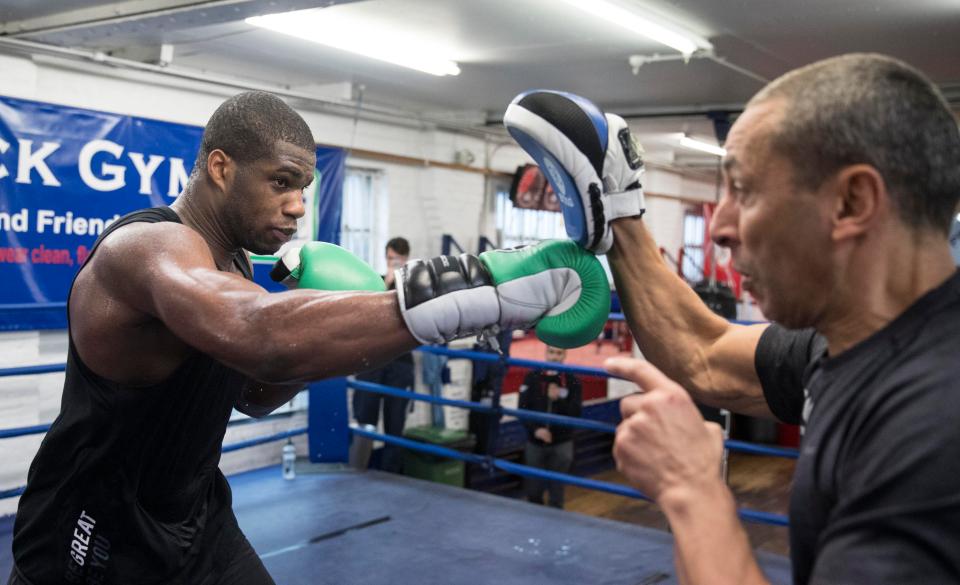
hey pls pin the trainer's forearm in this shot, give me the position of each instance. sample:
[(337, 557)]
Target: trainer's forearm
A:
[(710, 545), (672, 326)]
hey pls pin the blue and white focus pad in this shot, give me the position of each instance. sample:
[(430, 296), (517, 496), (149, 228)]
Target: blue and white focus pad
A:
[(591, 159)]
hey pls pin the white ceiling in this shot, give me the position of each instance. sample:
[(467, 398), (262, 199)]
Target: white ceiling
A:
[(508, 46)]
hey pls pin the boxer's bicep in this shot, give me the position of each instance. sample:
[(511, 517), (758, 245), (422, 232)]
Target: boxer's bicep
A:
[(166, 271), (276, 338), (282, 337), (139, 262), (215, 312), (208, 309)]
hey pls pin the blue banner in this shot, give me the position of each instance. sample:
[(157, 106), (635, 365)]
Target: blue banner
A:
[(67, 173), (331, 163)]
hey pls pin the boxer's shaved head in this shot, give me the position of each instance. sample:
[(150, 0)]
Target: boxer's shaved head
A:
[(872, 109), (248, 126)]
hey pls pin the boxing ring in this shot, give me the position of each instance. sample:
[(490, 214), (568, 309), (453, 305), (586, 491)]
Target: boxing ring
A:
[(343, 526)]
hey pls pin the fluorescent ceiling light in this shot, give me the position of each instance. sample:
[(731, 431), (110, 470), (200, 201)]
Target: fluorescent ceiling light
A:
[(685, 42), (347, 32), (702, 146)]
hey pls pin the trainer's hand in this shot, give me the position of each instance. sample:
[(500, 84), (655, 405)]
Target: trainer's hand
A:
[(663, 446)]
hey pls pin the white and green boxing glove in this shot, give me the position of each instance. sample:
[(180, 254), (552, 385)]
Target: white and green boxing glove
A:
[(555, 286), (325, 266)]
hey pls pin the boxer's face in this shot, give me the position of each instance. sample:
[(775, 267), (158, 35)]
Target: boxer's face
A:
[(266, 199), (779, 235)]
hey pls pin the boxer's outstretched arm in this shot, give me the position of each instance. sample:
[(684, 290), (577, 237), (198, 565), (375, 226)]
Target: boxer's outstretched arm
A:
[(709, 356), (166, 270)]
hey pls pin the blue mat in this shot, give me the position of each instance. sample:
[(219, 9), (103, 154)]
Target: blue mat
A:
[(375, 528)]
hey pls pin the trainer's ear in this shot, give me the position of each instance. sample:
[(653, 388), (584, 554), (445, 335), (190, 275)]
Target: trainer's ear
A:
[(861, 200)]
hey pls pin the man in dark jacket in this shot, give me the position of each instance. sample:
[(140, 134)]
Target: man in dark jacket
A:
[(549, 446)]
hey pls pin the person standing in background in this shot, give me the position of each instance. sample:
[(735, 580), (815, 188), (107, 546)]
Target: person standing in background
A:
[(398, 374), (397, 252), (549, 447), (487, 384)]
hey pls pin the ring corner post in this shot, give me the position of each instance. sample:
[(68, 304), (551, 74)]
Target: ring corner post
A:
[(328, 418)]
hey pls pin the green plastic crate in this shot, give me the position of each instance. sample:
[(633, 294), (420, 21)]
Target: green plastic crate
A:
[(433, 467)]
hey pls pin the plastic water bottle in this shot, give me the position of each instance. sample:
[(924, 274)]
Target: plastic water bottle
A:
[(289, 458)]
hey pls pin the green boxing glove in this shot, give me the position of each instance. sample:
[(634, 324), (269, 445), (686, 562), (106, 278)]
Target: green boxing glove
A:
[(325, 266), (554, 286)]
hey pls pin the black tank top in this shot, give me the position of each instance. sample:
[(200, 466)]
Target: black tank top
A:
[(126, 488)]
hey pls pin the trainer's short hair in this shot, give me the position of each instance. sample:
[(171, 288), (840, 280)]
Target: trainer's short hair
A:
[(248, 126), (872, 109), (399, 245)]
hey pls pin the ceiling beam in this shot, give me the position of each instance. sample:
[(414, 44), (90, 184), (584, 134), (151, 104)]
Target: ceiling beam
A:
[(105, 14), (327, 104), (682, 111), (130, 14)]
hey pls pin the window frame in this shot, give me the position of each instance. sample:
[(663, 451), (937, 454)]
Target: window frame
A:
[(365, 239)]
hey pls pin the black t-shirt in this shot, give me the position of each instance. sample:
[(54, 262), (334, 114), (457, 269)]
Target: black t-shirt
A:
[(876, 493), (125, 488)]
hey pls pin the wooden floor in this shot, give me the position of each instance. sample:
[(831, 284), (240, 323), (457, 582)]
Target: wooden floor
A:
[(760, 483)]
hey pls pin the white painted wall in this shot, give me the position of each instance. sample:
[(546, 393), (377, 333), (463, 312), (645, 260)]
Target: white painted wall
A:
[(423, 204)]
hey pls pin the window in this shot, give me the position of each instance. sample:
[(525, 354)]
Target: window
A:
[(519, 227), (694, 230), (525, 226), (362, 221)]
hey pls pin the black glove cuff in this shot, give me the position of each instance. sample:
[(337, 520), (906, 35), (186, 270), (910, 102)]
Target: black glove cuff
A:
[(423, 280)]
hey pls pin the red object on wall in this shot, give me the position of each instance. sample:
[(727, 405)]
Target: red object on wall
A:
[(680, 254), (531, 190)]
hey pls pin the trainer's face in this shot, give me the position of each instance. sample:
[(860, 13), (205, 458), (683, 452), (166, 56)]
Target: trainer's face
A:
[(266, 199), (778, 235)]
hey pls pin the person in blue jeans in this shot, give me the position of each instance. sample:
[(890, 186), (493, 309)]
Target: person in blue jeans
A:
[(487, 383), (398, 374), (432, 366)]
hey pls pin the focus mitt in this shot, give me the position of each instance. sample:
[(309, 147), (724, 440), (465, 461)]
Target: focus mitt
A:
[(591, 159)]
